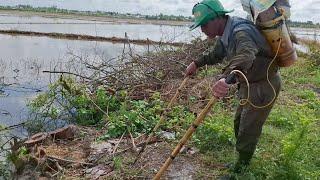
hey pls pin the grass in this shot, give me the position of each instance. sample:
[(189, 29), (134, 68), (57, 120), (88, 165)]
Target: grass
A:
[(290, 141), (289, 146)]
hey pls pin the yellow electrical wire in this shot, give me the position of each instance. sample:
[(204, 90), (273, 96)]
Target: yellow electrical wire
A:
[(247, 100)]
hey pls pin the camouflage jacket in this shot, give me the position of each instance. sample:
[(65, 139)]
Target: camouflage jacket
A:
[(242, 47)]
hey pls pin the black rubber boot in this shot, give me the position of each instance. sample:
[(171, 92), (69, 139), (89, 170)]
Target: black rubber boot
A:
[(243, 162), (226, 177)]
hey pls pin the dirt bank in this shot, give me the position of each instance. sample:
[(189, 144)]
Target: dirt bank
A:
[(88, 37)]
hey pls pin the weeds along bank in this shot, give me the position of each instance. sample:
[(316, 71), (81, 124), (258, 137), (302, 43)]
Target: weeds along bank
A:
[(128, 99)]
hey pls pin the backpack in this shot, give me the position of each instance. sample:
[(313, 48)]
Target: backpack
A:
[(270, 17)]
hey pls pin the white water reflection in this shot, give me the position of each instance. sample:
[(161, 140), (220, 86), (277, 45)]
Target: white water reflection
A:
[(23, 59), (163, 33), (307, 33)]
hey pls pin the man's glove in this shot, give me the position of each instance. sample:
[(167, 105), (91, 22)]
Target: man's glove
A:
[(191, 69), (220, 88)]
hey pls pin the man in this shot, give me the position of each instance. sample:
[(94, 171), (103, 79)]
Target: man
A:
[(244, 48)]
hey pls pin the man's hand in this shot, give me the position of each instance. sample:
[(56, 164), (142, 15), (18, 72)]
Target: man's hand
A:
[(191, 69), (220, 88)]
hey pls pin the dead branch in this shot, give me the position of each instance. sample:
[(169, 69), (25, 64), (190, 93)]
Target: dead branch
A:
[(65, 72), (122, 151), (13, 126), (53, 158), (116, 147), (132, 141)]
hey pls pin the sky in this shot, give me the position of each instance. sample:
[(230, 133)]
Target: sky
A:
[(302, 10)]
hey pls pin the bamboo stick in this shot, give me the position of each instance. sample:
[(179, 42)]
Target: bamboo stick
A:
[(229, 80), (186, 137)]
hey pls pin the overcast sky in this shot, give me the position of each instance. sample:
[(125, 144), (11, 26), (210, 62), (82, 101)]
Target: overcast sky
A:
[(302, 10)]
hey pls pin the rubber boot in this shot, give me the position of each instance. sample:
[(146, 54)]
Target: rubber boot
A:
[(243, 162)]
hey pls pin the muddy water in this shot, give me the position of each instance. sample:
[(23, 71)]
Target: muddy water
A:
[(23, 59), (134, 31)]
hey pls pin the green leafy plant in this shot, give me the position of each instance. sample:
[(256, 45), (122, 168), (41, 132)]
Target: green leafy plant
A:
[(134, 117), (291, 145), (69, 102), (117, 163), (217, 130), (4, 171)]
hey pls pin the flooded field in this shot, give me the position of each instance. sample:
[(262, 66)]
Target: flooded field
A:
[(162, 33), (23, 58), (307, 33)]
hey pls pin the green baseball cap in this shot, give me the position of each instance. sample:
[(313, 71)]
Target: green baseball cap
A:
[(205, 11)]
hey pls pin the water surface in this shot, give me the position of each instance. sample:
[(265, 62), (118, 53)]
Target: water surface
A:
[(134, 31), (23, 59)]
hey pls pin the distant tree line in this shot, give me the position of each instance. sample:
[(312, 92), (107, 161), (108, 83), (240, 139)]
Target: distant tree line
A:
[(308, 24), (54, 9)]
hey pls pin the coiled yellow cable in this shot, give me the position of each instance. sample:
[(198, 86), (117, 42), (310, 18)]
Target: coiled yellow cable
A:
[(247, 100)]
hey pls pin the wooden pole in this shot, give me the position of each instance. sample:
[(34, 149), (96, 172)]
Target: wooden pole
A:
[(229, 80), (186, 137)]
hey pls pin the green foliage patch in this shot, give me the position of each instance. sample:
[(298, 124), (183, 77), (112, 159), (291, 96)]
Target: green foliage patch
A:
[(288, 147)]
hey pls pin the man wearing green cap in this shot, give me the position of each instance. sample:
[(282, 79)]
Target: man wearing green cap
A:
[(243, 48)]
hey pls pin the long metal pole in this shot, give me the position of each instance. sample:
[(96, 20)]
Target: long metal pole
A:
[(172, 101)]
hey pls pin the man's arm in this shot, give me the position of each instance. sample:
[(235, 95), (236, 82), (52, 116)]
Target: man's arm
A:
[(213, 55), (246, 50)]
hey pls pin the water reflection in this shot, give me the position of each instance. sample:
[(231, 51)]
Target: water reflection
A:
[(307, 33), (107, 29), (24, 58)]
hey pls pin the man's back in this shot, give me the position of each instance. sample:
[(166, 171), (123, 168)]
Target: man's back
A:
[(247, 49)]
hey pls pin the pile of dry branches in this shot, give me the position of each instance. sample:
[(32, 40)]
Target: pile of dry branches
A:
[(138, 73)]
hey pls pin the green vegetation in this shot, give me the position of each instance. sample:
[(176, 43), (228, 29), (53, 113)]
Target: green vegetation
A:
[(71, 102), (289, 145), (4, 172), (288, 148)]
